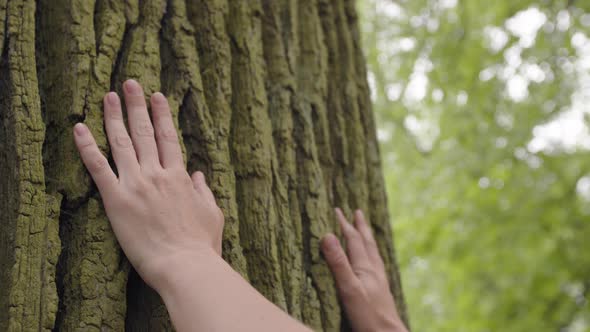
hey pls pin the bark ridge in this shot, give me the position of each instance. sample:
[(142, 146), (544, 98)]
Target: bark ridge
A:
[(272, 104)]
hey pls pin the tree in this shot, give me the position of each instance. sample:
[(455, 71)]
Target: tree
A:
[(272, 103)]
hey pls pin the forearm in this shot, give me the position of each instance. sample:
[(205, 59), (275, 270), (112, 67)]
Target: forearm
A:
[(207, 293)]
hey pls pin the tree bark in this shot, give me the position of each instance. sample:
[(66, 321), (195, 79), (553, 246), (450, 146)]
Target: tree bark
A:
[(272, 104)]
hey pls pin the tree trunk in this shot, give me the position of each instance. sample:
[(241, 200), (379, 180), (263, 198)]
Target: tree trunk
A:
[(272, 103)]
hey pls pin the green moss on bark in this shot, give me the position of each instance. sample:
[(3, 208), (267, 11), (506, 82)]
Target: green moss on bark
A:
[(280, 84), (213, 45), (251, 144), (272, 103), (28, 239), (94, 272)]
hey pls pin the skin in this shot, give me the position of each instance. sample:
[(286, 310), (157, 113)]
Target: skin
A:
[(170, 228), (361, 278)]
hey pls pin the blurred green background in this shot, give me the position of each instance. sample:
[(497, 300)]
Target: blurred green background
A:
[(483, 113)]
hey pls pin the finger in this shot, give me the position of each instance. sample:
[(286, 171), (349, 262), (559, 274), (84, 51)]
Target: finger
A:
[(166, 136), (121, 145), (200, 185), (97, 165), (348, 284), (142, 131), (354, 245), (370, 244)]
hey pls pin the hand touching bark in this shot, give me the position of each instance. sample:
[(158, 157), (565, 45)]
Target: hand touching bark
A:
[(170, 228), (158, 212), (168, 223), (361, 278)]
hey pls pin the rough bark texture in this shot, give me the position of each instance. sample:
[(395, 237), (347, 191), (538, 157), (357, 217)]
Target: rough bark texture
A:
[(272, 103)]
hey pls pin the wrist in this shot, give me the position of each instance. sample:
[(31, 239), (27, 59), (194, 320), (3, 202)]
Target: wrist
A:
[(395, 325), (173, 270), (389, 323)]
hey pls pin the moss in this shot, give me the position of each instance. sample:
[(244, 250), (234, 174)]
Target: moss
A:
[(213, 155), (30, 245), (52, 248), (65, 40), (95, 273), (280, 42), (273, 105), (252, 152)]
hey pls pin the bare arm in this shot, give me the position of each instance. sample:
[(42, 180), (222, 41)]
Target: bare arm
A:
[(207, 293), (168, 223)]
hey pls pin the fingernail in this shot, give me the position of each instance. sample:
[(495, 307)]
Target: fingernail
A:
[(80, 129), (158, 98), (132, 87), (113, 99)]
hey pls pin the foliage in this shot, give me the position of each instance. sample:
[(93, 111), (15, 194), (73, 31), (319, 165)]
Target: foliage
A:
[(482, 107)]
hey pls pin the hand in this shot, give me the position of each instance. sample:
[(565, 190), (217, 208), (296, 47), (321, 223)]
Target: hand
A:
[(158, 212), (361, 278)]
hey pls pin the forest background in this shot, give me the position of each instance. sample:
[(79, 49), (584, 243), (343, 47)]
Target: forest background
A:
[(482, 110)]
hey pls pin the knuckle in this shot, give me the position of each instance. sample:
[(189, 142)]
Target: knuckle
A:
[(86, 147), (98, 164), (123, 141), (144, 129), (364, 271), (168, 134), (180, 176), (350, 288), (355, 234), (138, 186), (338, 259), (158, 177), (114, 114), (161, 112)]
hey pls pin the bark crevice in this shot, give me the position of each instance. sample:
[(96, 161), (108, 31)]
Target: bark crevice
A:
[(272, 104)]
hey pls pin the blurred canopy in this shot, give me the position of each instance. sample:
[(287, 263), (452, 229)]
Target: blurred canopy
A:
[(483, 113)]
